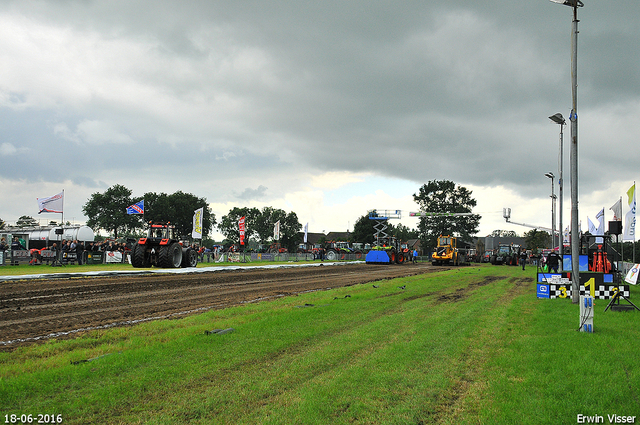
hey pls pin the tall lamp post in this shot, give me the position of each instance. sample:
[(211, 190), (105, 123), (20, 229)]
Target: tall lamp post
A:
[(553, 211), (559, 119), (573, 117)]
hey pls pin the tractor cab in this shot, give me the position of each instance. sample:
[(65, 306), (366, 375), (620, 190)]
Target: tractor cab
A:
[(160, 231)]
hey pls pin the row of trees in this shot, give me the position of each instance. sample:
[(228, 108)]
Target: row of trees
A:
[(259, 225), (107, 211)]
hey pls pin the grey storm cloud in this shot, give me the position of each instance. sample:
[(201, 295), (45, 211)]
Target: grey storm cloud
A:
[(212, 96), (252, 194)]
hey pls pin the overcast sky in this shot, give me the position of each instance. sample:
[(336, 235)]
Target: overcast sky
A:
[(328, 109)]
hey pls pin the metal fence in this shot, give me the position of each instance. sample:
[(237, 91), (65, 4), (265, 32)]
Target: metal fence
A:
[(47, 257)]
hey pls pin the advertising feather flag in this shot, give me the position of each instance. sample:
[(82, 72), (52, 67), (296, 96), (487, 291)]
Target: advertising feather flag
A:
[(630, 219), (276, 231), (196, 233), (241, 228)]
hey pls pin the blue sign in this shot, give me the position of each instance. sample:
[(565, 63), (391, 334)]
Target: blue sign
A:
[(543, 290)]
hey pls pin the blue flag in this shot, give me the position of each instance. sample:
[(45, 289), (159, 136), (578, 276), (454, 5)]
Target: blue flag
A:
[(136, 208)]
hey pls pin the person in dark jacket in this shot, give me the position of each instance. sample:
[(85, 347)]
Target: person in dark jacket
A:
[(553, 261), (79, 251), (523, 258)]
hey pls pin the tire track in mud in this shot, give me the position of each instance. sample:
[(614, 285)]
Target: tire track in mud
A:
[(33, 310)]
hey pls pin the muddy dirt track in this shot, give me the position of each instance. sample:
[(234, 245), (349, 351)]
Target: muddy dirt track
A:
[(35, 310)]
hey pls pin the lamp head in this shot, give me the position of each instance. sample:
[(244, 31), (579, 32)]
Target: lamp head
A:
[(550, 175), (572, 3), (558, 119)]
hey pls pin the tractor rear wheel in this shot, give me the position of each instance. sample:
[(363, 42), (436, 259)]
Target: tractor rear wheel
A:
[(331, 255), (393, 256), (138, 256), (189, 258), (170, 256)]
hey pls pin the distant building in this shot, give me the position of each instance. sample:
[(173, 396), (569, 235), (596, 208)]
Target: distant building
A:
[(338, 236), (491, 242)]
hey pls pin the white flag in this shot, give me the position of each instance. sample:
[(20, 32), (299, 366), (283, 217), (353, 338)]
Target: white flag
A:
[(592, 227), (52, 204), (196, 233), (617, 210), (306, 230), (632, 276), (630, 219)]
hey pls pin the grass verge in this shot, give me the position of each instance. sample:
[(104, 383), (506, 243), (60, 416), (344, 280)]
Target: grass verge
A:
[(469, 345)]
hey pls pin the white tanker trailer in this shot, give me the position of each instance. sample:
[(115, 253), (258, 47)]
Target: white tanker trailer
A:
[(40, 237)]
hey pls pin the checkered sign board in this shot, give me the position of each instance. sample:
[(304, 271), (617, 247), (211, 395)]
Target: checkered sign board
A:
[(596, 285), (601, 292)]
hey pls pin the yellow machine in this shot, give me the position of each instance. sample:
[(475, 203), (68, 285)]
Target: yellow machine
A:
[(446, 252)]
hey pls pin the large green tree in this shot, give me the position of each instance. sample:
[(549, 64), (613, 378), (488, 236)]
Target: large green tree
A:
[(26, 221), (363, 230), (289, 228), (537, 239), (108, 211), (229, 224), (178, 208), (445, 198), (404, 233)]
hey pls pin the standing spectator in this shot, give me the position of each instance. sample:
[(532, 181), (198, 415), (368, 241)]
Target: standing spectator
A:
[(16, 245), (553, 260), (79, 252), (415, 256), (3, 245), (523, 258)]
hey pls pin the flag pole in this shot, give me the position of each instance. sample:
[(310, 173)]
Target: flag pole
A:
[(621, 246)]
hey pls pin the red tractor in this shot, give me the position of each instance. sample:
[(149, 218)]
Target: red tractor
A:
[(161, 249)]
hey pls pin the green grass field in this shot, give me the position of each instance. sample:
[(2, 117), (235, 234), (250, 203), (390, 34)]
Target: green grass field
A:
[(471, 345)]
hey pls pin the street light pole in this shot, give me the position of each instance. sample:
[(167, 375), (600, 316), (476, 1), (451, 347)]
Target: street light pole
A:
[(553, 211), (575, 242), (559, 119)]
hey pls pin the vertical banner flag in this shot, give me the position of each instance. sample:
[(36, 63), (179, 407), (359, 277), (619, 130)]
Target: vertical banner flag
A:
[(276, 231), (617, 210), (241, 227), (52, 204), (600, 217), (196, 233), (137, 208), (630, 219), (566, 239), (306, 230)]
